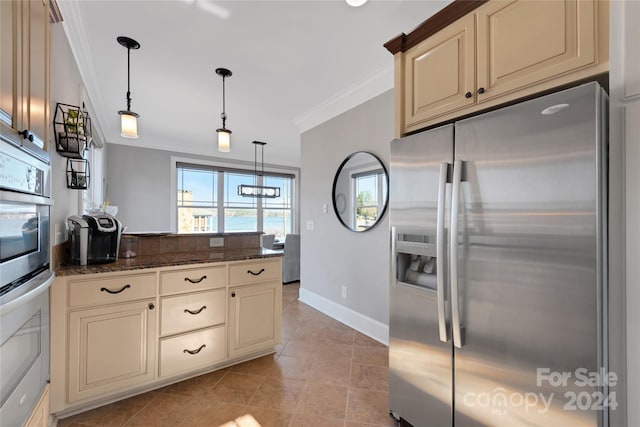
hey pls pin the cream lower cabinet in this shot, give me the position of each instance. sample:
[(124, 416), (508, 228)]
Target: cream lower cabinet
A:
[(111, 348), (40, 415), (192, 319), (122, 333), (255, 306), (254, 317)]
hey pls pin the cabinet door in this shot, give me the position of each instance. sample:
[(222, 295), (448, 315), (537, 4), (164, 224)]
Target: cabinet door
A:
[(440, 73), (110, 348), (525, 42), (35, 48), (254, 318), (9, 60)]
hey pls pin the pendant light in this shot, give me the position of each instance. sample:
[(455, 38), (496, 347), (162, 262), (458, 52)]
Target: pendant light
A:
[(258, 190), (224, 134), (128, 119)]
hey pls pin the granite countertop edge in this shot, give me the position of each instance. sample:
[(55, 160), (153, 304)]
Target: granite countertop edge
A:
[(167, 260)]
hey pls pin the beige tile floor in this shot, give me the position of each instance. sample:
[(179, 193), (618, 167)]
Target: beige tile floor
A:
[(324, 374)]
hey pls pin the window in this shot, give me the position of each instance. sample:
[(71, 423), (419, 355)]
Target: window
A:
[(369, 189), (197, 200), (208, 201)]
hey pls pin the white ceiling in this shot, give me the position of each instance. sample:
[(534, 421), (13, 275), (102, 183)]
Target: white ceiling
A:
[(294, 63)]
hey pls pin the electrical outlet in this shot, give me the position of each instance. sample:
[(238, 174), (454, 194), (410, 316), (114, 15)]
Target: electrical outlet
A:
[(344, 292), (216, 242), (310, 225)]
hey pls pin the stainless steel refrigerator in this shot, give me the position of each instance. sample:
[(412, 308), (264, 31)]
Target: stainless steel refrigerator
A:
[(498, 291)]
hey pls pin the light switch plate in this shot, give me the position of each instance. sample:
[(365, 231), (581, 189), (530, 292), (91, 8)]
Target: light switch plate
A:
[(310, 225)]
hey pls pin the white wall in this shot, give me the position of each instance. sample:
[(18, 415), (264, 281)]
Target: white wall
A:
[(624, 235), (331, 255), (67, 88), (139, 182)]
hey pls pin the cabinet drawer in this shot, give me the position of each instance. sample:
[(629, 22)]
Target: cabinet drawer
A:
[(192, 311), (255, 272), (193, 279), (112, 289), (192, 351)]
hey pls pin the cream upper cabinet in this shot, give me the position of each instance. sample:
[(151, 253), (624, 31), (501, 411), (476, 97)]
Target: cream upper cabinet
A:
[(24, 97), (111, 348), (254, 317), (440, 72), (473, 56), (524, 42)]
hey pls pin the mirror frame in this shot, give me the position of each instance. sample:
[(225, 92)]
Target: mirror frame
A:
[(334, 196)]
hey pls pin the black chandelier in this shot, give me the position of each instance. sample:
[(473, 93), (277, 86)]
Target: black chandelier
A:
[(260, 191)]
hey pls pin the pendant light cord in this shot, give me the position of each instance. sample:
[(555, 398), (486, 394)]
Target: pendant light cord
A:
[(128, 79), (224, 114)]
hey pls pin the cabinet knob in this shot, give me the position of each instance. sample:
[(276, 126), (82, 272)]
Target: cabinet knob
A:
[(481, 90), (468, 95), (151, 306), (233, 294)]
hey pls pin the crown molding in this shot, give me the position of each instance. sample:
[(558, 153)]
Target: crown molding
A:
[(74, 28), (357, 94)]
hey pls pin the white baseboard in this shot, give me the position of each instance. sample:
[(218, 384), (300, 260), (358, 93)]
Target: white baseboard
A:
[(361, 323)]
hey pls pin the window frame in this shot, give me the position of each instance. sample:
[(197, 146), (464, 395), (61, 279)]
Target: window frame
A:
[(237, 167)]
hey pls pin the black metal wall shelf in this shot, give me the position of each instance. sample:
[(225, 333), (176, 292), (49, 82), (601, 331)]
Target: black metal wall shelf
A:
[(72, 129)]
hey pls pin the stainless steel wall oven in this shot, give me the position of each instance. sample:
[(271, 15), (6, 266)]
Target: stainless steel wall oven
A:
[(25, 278)]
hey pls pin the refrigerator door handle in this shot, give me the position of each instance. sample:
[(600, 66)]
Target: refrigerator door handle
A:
[(453, 255), (440, 240), (394, 254)]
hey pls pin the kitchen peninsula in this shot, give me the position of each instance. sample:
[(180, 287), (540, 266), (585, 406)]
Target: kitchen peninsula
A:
[(182, 306)]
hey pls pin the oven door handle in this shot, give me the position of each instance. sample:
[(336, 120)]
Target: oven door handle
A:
[(33, 293)]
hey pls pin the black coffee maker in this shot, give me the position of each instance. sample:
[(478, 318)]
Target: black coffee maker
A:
[(94, 239)]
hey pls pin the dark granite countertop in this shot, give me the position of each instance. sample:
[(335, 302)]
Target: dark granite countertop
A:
[(167, 259)]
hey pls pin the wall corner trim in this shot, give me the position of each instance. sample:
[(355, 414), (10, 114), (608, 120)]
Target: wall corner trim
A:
[(361, 323)]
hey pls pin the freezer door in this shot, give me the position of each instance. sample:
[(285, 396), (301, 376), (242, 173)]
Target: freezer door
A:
[(530, 264), (420, 353)]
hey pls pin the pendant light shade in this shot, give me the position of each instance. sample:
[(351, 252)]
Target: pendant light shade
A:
[(128, 124), (224, 134), (224, 140), (128, 119)]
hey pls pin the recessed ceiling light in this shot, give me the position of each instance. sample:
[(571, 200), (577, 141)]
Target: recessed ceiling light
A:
[(356, 3)]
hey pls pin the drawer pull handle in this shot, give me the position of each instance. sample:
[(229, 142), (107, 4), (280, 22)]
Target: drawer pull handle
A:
[(194, 351), (115, 292), (256, 274), (186, 279), (195, 312)]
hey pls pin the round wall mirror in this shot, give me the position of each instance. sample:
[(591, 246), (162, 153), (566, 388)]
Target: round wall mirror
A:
[(360, 191)]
